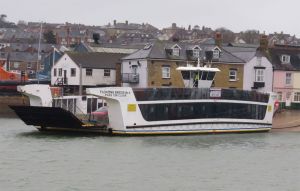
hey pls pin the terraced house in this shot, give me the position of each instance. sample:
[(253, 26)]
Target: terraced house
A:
[(286, 62), (155, 65)]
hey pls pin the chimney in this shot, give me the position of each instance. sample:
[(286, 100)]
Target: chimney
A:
[(115, 22), (173, 25), (263, 42), (218, 39), (189, 27), (126, 22), (96, 37)]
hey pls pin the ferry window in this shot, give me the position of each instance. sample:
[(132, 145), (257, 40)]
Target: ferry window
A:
[(166, 72), (211, 75), (180, 111), (232, 75), (54, 72), (185, 75), (89, 72), (107, 73), (73, 72), (59, 71), (259, 75), (288, 78)]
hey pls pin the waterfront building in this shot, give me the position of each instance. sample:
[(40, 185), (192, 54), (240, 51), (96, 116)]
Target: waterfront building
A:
[(87, 69), (286, 62), (155, 65)]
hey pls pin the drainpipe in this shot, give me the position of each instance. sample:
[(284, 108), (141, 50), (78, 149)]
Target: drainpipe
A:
[(80, 79)]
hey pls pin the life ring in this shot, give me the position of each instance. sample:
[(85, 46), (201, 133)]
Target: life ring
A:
[(11, 76)]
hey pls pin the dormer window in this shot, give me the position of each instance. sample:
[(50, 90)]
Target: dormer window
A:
[(285, 59), (196, 52), (176, 50), (216, 53)]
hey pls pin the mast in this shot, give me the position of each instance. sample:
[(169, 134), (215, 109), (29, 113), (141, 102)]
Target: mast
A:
[(38, 56)]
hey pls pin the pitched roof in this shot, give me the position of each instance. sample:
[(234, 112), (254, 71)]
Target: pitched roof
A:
[(96, 60), (157, 50), (277, 52), (244, 53)]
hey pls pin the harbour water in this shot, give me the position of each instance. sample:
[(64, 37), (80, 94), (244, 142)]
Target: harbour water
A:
[(34, 161)]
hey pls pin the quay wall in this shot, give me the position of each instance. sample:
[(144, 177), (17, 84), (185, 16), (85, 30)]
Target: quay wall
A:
[(6, 100)]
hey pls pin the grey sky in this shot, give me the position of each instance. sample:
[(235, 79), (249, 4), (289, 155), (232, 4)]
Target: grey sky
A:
[(237, 15)]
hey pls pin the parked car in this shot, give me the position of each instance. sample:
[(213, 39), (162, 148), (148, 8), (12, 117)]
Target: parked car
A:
[(100, 115)]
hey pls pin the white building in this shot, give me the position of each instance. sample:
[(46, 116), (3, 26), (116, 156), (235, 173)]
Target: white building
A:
[(95, 69), (258, 70)]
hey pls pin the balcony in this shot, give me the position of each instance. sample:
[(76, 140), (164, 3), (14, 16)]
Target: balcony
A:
[(257, 85), (130, 78)]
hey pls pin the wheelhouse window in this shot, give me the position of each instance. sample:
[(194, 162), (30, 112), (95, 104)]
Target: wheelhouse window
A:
[(107, 73), (88, 72), (54, 72), (285, 59), (232, 75), (73, 72), (259, 75), (59, 71), (288, 78), (166, 72), (297, 96)]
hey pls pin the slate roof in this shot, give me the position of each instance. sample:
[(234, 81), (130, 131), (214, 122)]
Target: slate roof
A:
[(275, 57), (157, 50), (246, 54), (96, 60), (19, 56)]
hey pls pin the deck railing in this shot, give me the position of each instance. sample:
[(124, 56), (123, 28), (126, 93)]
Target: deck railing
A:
[(130, 78)]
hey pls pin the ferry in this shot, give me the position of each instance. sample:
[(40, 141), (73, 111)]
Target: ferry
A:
[(197, 108)]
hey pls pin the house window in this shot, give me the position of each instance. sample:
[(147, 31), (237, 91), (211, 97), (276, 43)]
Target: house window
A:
[(216, 54), (232, 75), (288, 78), (285, 59), (59, 71), (196, 52), (259, 75), (297, 96), (16, 65), (279, 96), (29, 65), (73, 72), (176, 51), (89, 72), (54, 72), (166, 72), (107, 73), (134, 69)]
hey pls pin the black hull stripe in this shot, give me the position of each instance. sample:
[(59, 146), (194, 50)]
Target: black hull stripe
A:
[(178, 124)]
